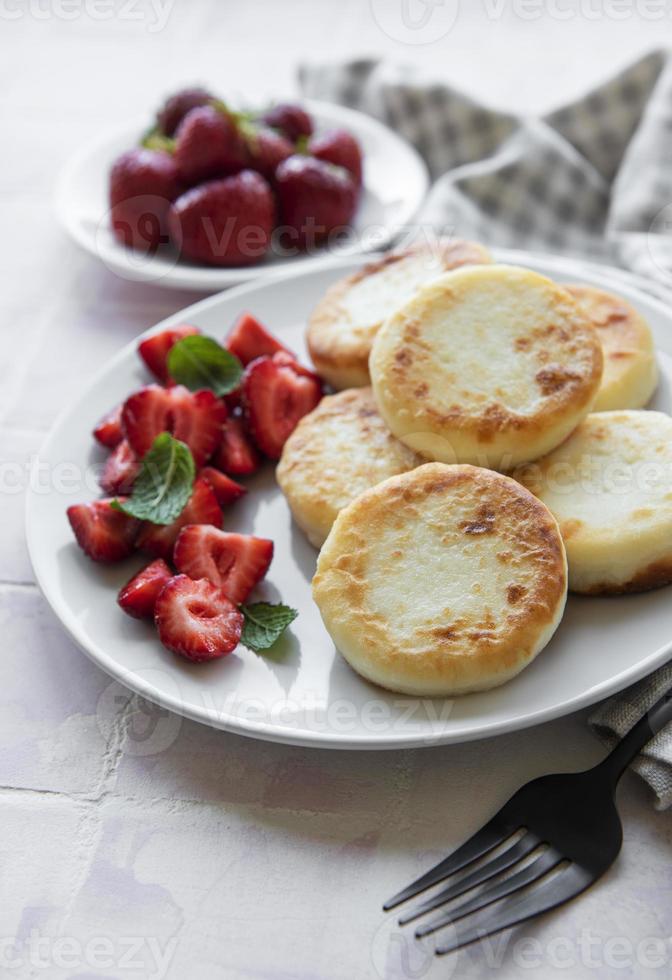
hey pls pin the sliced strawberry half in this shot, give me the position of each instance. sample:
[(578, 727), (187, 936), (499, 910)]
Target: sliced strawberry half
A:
[(233, 562), (276, 395), (236, 453), (195, 417), (120, 470), (198, 417), (226, 489), (248, 339), (108, 432), (196, 620), (154, 350), (138, 597), (104, 534), (201, 508)]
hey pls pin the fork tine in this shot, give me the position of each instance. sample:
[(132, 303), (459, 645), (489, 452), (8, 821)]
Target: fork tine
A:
[(545, 896), (494, 832), (543, 864), (511, 856)]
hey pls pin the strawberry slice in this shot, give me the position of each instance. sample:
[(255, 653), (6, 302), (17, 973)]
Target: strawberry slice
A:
[(104, 534), (233, 562), (195, 417), (226, 489), (120, 470), (196, 619), (236, 454), (201, 508), (154, 350), (138, 597), (277, 393), (108, 432), (198, 417), (248, 339), (288, 360)]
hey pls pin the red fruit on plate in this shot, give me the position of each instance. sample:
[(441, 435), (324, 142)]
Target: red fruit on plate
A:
[(266, 150), (283, 357), (154, 350), (232, 562), (104, 534), (108, 432), (138, 597), (248, 339), (201, 508), (196, 619), (290, 120), (208, 144), (315, 199), (120, 470), (236, 454), (226, 489), (339, 147), (277, 394), (143, 183), (176, 107), (194, 417), (225, 222)]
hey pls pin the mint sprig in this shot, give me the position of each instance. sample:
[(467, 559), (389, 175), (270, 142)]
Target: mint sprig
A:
[(199, 362), (164, 484), (265, 622)]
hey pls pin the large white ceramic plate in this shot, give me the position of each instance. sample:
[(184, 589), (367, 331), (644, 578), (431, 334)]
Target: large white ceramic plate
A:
[(304, 692), (395, 183)]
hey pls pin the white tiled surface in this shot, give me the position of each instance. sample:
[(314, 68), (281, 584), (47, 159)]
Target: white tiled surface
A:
[(140, 845)]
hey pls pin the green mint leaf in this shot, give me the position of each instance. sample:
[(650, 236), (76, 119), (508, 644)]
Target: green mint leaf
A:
[(164, 483), (264, 624), (200, 362)]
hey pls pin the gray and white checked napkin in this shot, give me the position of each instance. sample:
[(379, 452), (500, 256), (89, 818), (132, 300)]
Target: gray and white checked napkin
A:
[(592, 179)]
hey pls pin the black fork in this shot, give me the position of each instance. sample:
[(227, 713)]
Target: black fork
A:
[(553, 839)]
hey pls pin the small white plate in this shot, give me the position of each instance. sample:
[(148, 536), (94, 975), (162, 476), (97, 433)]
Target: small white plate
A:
[(305, 693), (395, 184)]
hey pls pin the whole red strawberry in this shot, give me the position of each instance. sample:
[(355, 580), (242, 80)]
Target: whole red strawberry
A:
[(266, 150), (143, 183), (176, 106), (315, 199), (224, 222), (208, 144), (290, 120), (339, 147)]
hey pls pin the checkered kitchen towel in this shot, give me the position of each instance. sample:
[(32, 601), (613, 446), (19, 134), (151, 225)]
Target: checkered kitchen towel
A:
[(591, 179)]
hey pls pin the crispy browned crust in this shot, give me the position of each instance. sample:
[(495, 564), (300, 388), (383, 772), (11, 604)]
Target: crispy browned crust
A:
[(340, 449), (655, 576), (449, 653), (411, 384), (329, 353)]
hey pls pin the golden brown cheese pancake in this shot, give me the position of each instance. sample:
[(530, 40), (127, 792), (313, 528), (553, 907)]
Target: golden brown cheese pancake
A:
[(630, 370), (341, 449), (443, 580), (492, 365), (344, 323), (610, 488)]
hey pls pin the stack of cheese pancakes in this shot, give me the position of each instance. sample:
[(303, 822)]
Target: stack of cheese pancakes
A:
[(462, 477)]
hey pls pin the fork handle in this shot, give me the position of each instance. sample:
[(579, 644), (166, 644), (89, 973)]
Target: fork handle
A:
[(642, 732)]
